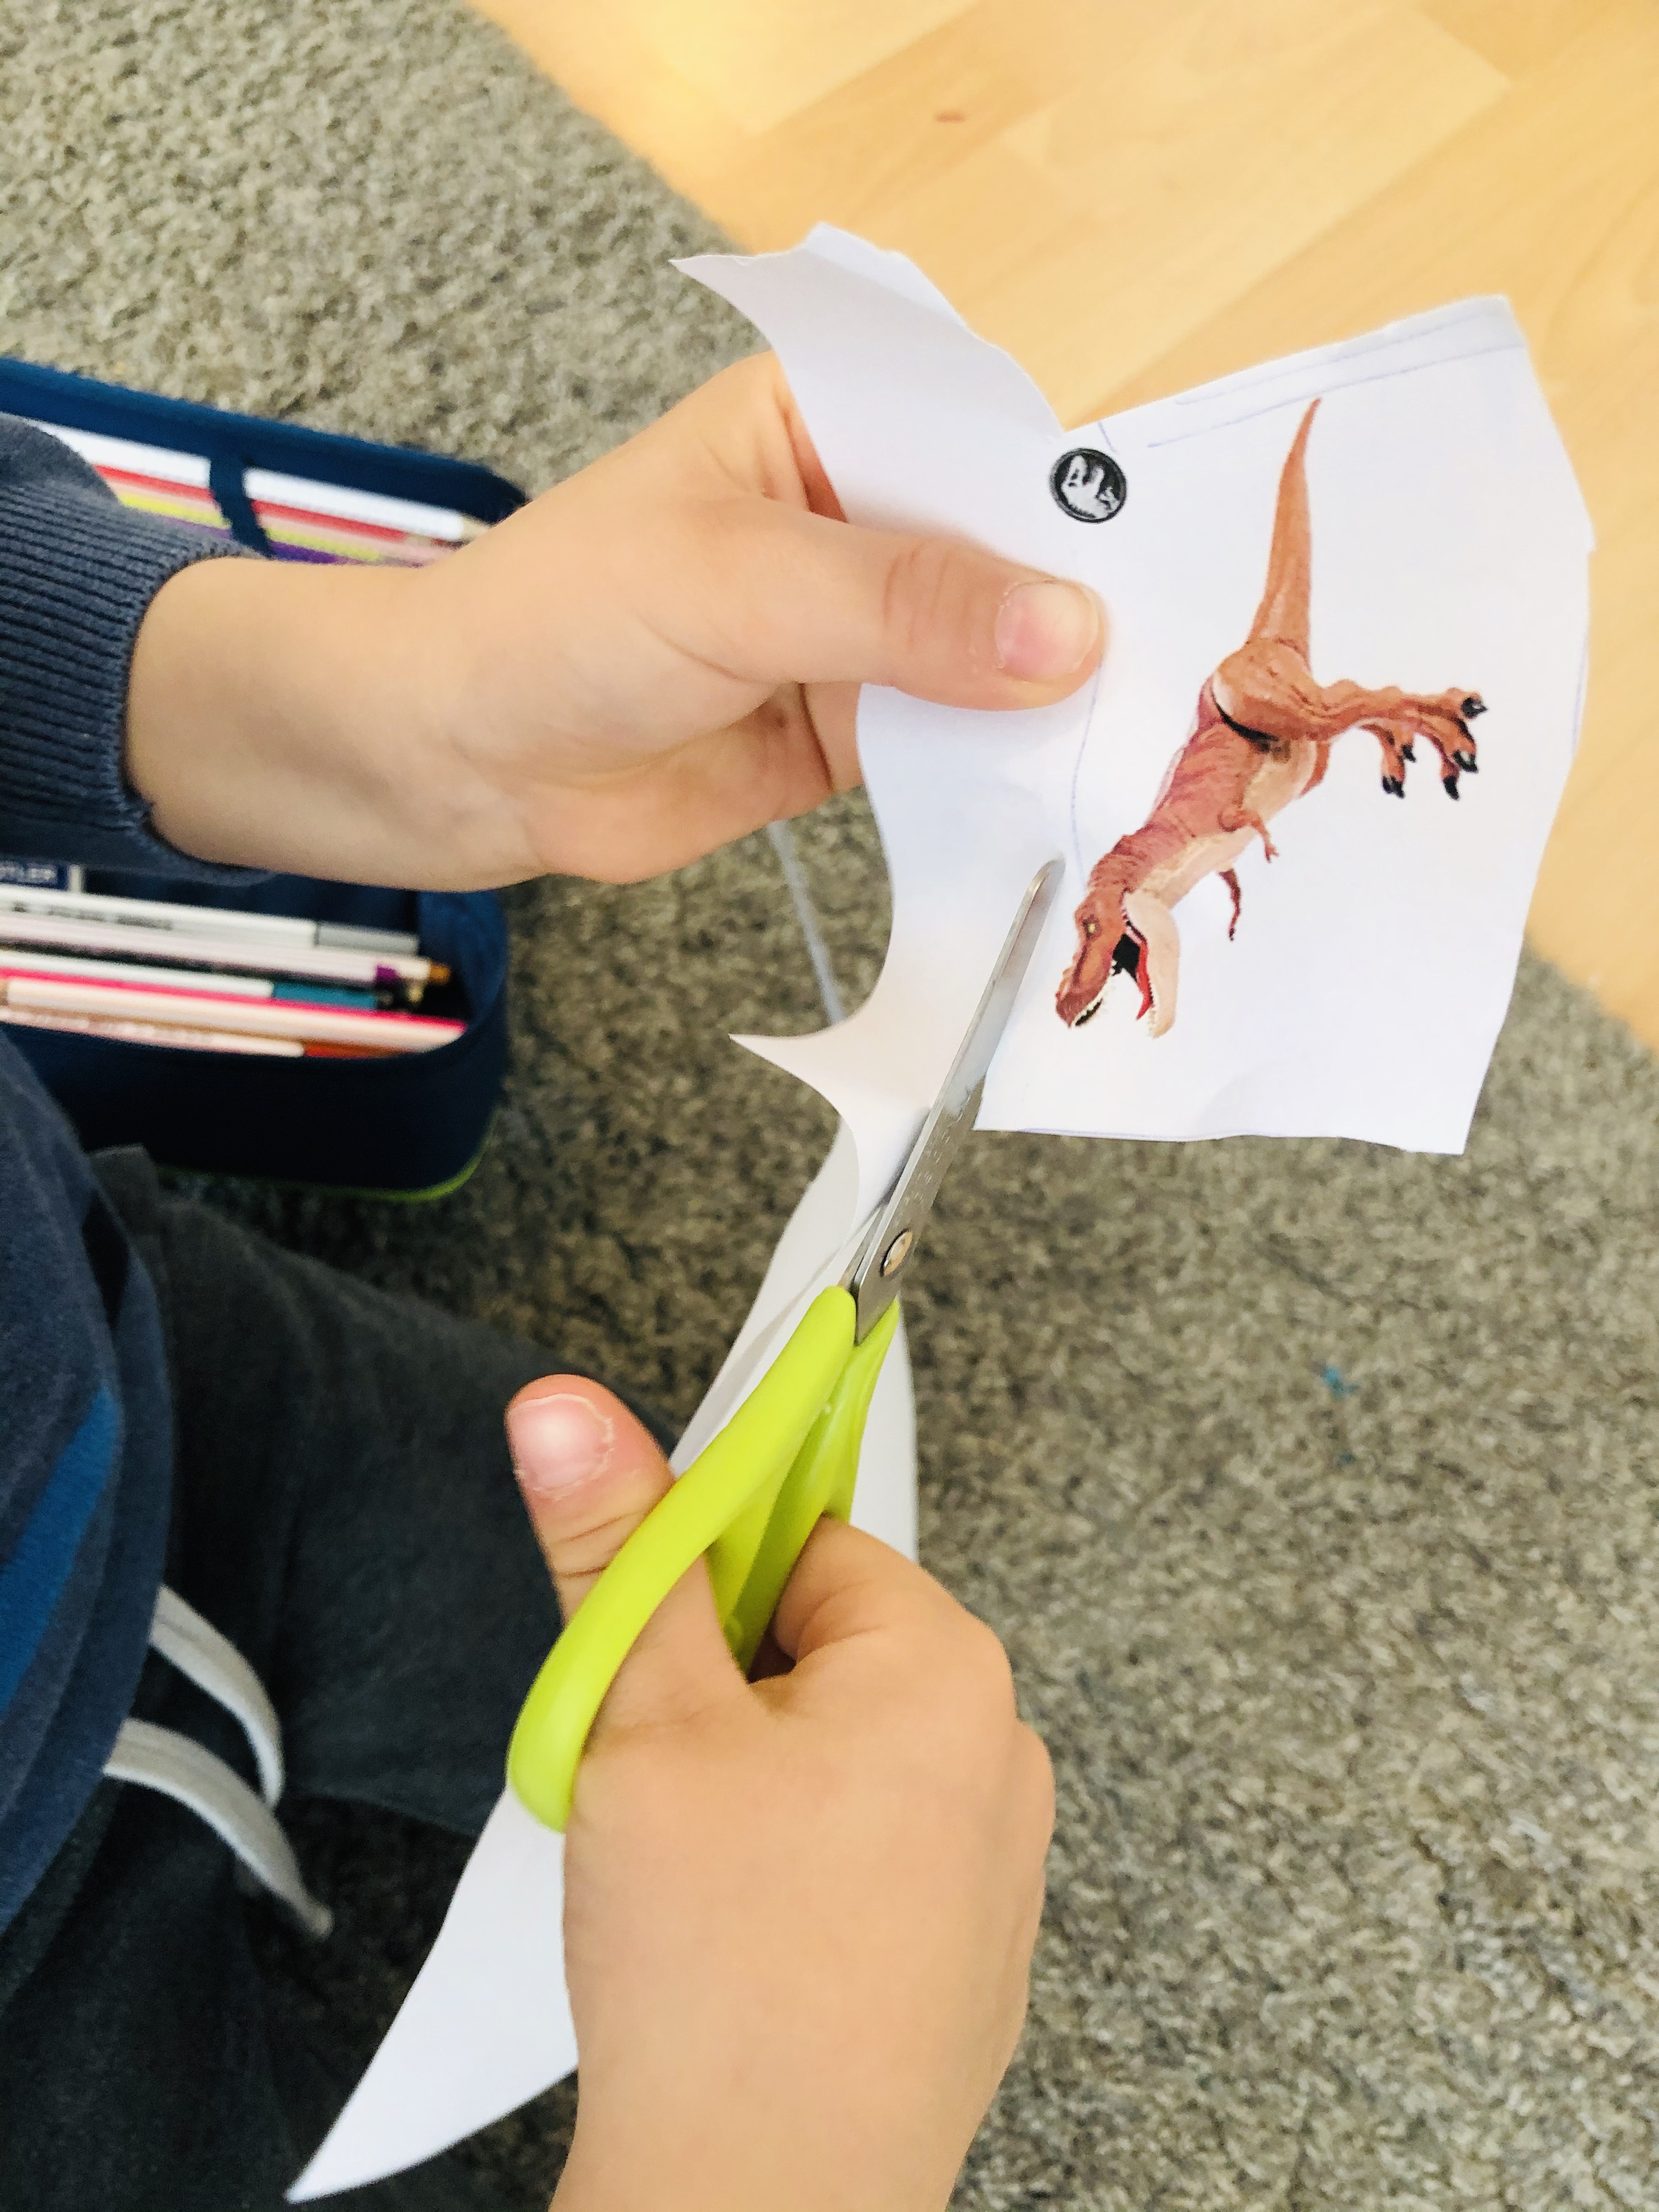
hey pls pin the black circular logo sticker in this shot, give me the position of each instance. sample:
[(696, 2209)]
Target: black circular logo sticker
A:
[(1089, 484)]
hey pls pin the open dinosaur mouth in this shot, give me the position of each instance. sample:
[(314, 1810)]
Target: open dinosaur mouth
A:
[(1126, 961)]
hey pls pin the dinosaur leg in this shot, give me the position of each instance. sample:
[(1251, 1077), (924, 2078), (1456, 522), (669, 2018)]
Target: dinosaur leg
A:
[(1395, 740), (1246, 817), (1160, 956), (1397, 719), (1232, 882)]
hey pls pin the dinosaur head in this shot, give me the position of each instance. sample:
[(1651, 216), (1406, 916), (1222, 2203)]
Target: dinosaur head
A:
[(1102, 949)]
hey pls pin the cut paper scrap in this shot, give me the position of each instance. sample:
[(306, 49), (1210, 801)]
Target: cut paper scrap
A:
[(1360, 996), (1373, 959), (487, 2024)]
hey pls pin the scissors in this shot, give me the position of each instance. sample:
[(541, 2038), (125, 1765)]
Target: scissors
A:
[(789, 1453)]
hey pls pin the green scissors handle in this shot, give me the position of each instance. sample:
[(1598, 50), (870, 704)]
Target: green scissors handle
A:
[(788, 1454), (749, 1500)]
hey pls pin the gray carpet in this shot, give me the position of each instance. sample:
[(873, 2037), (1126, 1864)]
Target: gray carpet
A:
[(1313, 1488)]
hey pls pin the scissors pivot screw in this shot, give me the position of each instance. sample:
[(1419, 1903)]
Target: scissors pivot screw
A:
[(897, 1252)]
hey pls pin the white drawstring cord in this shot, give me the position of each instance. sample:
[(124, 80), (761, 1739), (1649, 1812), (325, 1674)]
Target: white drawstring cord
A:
[(182, 1769), (214, 1664)]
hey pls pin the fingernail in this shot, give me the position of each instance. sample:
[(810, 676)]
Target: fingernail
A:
[(558, 1443), (1045, 631)]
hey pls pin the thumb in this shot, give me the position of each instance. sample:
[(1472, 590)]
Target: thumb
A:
[(589, 1472), (801, 597)]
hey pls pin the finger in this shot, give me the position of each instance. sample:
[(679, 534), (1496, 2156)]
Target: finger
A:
[(785, 596), (848, 1583), (711, 789), (749, 436), (589, 1473)]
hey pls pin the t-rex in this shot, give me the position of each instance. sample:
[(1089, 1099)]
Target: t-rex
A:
[(1261, 738)]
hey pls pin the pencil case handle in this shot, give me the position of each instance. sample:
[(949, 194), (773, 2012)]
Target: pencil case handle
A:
[(226, 481)]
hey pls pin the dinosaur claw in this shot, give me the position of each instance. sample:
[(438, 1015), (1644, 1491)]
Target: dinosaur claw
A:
[(1408, 752), (1395, 785), (1466, 761), (1449, 785), (1473, 705)]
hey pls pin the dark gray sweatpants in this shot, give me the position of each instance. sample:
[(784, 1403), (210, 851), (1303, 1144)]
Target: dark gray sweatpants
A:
[(344, 1512)]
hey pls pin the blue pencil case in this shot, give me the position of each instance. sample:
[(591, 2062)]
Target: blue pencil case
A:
[(405, 1126)]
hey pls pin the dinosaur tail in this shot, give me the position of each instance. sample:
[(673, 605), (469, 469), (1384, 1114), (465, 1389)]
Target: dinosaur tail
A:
[(1282, 613)]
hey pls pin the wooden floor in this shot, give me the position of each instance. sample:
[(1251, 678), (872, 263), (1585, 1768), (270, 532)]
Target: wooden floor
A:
[(1134, 195)]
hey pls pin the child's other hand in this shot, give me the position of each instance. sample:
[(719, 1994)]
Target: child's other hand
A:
[(800, 1914), (657, 656), (663, 653)]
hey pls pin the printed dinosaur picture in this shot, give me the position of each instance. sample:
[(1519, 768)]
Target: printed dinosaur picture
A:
[(1262, 736)]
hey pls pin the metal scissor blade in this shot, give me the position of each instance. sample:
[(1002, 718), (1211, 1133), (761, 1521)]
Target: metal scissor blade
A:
[(875, 1276)]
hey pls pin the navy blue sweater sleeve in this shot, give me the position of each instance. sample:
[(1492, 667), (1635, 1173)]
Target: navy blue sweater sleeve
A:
[(77, 572)]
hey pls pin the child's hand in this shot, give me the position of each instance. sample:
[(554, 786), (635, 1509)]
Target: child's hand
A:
[(799, 1913), (655, 657)]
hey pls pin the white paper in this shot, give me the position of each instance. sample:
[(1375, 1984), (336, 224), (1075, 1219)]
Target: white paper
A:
[(1373, 959), (487, 2025)]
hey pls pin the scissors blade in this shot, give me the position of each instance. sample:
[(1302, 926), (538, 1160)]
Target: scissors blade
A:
[(875, 1277)]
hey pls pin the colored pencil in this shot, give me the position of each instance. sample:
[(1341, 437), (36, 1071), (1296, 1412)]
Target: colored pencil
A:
[(16, 961), (323, 964), (385, 1032), (204, 920), (303, 519), (31, 962), (167, 1033)]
